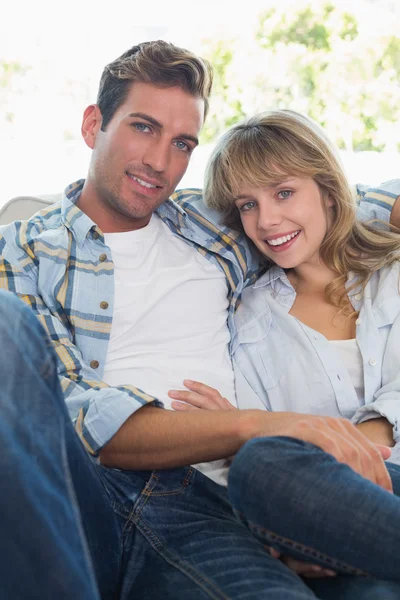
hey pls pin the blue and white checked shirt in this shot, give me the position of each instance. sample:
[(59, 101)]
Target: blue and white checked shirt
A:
[(59, 264)]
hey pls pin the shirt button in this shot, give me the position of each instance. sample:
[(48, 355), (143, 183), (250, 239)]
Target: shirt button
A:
[(357, 297), (94, 364), (372, 362), (104, 304), (102, 257), (358, 321)]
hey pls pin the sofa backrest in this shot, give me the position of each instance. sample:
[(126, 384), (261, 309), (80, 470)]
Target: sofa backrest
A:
[(23, 207)]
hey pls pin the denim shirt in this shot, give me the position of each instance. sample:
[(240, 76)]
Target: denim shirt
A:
[(292, 367)]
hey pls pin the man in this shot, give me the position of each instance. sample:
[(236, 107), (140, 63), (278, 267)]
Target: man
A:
[(135, 292)]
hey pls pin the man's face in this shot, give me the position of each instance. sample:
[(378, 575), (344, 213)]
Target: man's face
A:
[(139, 159)]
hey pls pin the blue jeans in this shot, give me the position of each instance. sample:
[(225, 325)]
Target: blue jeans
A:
[(72, 529)]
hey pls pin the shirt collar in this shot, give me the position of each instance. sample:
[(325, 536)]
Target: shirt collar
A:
[(80, 224), (272, 277), (73, 217)]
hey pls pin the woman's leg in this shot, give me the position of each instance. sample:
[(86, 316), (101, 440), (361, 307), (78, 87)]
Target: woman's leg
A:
[(300, 500)]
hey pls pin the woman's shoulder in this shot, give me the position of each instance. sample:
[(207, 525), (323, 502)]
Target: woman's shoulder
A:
[(383, 290), (261, 301)]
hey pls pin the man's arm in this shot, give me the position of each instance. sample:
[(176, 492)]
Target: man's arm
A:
[(153, 438), (97, 409), (395, 214), (381, 202)]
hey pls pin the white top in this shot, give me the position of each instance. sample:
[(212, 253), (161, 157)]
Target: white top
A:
[(352, 360), (169, 322)]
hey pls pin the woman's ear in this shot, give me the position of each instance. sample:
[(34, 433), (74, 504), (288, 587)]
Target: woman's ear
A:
[(329, 201)]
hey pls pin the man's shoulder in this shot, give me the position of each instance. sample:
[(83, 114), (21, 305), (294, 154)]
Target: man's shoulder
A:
[(386, 192), (192, 201)]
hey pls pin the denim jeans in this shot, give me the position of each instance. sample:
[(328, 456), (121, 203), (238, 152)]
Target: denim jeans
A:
[(72, 529)]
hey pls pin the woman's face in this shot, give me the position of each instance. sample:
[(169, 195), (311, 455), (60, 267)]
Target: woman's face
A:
[(287, 222)]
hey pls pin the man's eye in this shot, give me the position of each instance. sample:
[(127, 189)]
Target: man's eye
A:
[(247, 206), (182, 146), (141, 127), (283, 194)]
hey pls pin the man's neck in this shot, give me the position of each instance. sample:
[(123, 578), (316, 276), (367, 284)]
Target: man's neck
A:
[(107, 219)]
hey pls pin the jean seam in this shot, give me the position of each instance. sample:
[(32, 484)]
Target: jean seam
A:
[(205, 584), (75, 505), (149, 490), (271, 537)]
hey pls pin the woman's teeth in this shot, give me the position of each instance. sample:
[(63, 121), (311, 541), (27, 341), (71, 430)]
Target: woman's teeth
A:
[(283, 239)]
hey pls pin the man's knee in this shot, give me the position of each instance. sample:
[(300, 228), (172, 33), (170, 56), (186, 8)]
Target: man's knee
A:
[(22, 337), (16, 317), (13, 310)]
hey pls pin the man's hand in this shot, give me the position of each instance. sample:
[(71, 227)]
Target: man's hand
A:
[(336, 436), (341, 439)]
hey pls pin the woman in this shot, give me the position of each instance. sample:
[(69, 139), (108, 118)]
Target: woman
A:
[(319, 332)]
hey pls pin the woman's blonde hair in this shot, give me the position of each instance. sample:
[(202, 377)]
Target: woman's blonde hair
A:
[(268, 148)]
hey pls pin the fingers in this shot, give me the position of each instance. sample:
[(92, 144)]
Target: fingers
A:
[(182, 406), (370, 460), (212, 395), (384, 450), (200, 396), (306, 569), (348, 445)]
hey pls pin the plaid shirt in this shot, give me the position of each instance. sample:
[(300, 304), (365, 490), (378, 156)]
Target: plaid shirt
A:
[(59, 264)]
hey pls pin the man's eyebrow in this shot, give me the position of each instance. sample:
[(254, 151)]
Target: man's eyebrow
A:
[(185, 136), (146, 118)]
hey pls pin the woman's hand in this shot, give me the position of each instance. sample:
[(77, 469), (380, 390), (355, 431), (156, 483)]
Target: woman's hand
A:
[(200, 396)]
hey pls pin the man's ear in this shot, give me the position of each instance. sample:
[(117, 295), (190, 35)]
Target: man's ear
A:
[(91, 124)]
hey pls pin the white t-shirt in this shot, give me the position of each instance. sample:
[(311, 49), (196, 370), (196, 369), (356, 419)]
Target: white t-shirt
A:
[(170, 319), (352, 359)]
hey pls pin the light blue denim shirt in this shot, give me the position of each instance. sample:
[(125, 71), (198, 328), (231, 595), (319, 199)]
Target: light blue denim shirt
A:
[(292, 367)]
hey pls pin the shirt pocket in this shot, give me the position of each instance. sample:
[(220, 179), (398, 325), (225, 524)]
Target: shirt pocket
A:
[(263, 352)]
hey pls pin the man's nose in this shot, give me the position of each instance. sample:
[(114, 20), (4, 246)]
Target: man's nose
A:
[(157, 156)]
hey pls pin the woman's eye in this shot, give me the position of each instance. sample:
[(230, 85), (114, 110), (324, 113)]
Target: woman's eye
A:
[(283, 194), (141, 127), (247, 206)]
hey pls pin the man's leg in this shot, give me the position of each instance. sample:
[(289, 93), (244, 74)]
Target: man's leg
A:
[(300, 500), (189, 544), (47, 478)]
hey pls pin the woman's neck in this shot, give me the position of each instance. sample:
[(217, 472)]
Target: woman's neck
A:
[(311, 277)]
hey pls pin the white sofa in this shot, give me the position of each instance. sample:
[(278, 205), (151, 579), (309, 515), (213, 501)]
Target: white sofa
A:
[(23, 207)]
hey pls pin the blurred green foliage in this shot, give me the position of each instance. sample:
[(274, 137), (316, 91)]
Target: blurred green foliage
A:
[(319, 59)]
